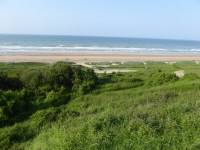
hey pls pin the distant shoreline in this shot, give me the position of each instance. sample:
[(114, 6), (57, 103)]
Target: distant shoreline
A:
[(77, 53), (82, 57), (18, 44)]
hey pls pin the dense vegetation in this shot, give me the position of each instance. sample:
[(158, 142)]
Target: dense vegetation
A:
[(65, 106), (24, 90)]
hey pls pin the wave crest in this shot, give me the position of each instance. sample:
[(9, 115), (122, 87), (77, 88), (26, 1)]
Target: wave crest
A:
[(62, 48)]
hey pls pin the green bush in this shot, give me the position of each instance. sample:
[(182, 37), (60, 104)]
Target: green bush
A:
[(33, 79), (14, 103), (62, 96), (9, 81), (191, 76), (162, 78), (41, 88), (60, 74)]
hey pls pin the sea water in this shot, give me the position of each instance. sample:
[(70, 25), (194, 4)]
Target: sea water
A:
[(52, 43)]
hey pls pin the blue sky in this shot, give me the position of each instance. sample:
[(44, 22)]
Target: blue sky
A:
[(171, 19)]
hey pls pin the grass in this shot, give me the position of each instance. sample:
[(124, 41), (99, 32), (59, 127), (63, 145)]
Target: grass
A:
[(127, 119), (98, 63), (123, 112), (131, 63), (21, 66)]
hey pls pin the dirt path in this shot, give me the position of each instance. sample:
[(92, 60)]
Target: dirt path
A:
[(113, 70), (105, 70), (83, 64), (180, 74)]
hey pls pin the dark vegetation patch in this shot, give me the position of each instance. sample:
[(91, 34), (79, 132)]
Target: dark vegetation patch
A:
[(32, 90)]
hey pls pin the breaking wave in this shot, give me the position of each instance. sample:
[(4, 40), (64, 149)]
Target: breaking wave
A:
[(62, 48)]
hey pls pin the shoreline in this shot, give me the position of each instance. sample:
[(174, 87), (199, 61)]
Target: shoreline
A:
[(82, 57)]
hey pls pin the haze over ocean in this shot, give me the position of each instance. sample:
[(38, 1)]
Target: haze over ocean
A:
[(33, 43)]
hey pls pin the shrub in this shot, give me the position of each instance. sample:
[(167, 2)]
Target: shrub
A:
[(9, 82), (57, 98), (33, 79), (165, 78), (60, 74), (190, 76), (161, 78), (13, 103), (51, 86)]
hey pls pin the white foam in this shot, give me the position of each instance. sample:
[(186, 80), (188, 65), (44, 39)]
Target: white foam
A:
[(62, 48)]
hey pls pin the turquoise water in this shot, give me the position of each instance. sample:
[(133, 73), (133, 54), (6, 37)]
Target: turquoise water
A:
[(33, 43)]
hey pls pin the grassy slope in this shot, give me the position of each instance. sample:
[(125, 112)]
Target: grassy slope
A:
[(114, 117)]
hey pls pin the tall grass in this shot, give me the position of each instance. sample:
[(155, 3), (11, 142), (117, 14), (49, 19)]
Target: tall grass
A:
[(124, 111), (155, 118)]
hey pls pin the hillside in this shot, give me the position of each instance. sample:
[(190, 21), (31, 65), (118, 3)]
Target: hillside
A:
[(63, 106)]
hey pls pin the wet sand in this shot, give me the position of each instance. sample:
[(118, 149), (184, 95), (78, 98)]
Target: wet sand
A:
[(82, 57)]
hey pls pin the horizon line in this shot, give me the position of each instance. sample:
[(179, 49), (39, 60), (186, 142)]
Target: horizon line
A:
[(97, 36)]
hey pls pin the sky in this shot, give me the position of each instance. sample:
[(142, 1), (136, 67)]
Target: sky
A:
[(165, 19)]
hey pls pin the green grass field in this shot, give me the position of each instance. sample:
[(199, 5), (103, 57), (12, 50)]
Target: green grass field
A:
[(148, 109)]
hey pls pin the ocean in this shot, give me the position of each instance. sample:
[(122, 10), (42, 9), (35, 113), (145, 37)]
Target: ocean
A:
[(39, 43)]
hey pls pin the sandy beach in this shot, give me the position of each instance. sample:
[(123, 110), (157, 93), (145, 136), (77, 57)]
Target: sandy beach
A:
[(82, 57)]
